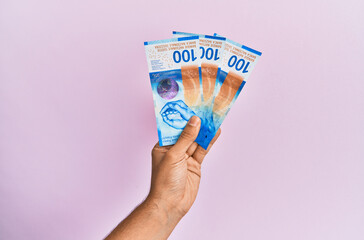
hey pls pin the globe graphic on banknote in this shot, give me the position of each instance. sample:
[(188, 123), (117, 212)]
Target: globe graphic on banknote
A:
[(167, 88)]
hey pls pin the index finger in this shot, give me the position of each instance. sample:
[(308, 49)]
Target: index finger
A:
[(200, 153)]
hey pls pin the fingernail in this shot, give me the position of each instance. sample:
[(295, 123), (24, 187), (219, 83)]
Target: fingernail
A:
[(193, 121)]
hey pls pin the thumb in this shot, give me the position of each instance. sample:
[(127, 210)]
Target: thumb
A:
[(187, 137)]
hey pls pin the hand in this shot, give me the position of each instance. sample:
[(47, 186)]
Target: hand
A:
[(176, 171), (176, 114)]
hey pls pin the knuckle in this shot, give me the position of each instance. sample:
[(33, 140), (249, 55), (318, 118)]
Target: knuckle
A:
[(200, 155), (202, 152), (169, 155), (159, 150), (154, 151), (187, 135)]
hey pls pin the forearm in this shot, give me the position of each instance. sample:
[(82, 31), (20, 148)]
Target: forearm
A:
[(150, 220)]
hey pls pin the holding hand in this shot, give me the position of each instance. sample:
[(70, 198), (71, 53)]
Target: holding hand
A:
[(176, 173), (176, 170)]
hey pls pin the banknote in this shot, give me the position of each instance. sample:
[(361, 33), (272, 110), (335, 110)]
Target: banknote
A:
[(173, 66)]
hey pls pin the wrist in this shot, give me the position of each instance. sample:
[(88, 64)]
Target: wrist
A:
[(162, 210)]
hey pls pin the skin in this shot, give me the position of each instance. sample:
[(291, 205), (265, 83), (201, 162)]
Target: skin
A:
[(176, 174)]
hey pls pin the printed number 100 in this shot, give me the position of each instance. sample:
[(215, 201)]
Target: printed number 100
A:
[(239, 64), (209, 53), (185, 56)]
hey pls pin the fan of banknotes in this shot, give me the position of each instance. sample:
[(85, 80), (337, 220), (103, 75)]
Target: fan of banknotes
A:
[(195, 74)]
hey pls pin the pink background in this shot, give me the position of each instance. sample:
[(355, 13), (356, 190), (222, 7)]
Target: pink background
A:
[(77, 122)]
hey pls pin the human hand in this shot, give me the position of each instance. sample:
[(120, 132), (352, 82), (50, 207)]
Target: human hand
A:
[(176, 114), (176, 172)]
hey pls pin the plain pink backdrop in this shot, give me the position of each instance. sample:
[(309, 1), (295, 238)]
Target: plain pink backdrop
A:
[(77, 121)]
